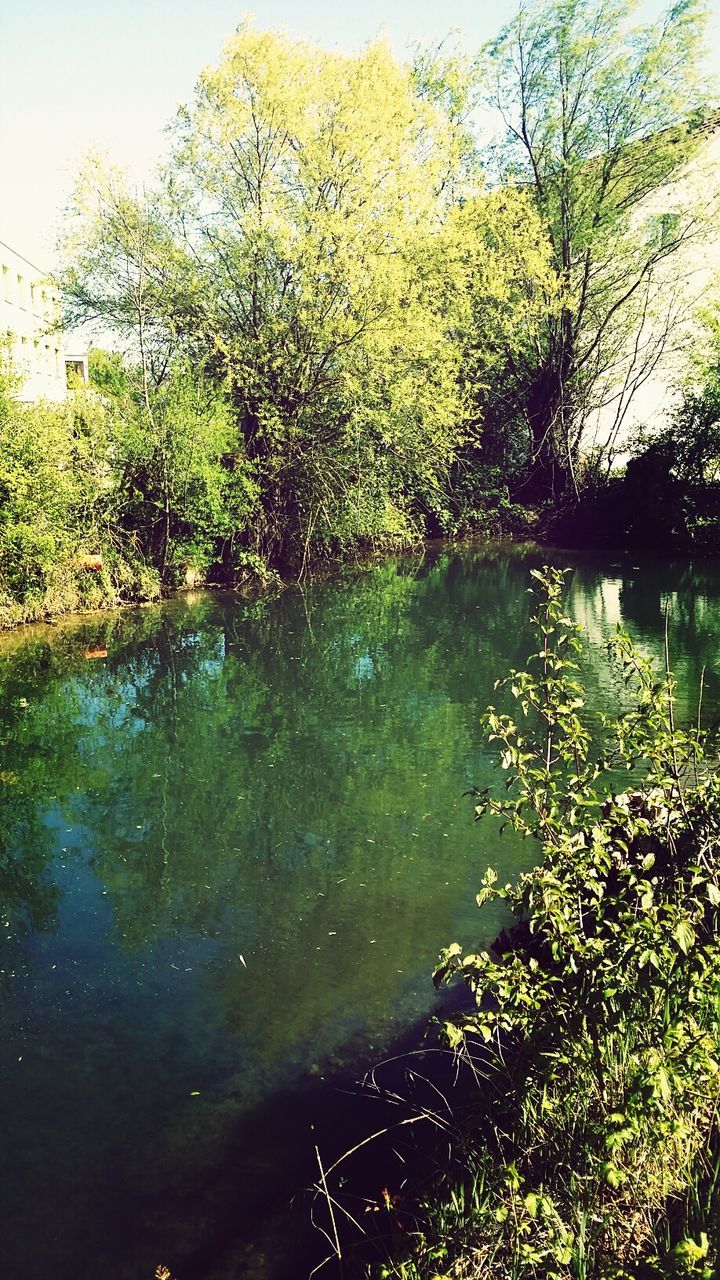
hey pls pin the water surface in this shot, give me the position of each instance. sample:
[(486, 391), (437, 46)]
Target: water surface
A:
[(232, 848)]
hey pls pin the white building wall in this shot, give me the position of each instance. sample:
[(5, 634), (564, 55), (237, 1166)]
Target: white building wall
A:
[(28, 316), (684, 283)]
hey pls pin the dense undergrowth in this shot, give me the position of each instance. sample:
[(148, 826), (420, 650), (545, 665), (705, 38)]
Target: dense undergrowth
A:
[(103, 503), (590, 1147)]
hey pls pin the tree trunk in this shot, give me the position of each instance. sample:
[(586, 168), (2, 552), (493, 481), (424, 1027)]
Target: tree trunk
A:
[(549, 408)]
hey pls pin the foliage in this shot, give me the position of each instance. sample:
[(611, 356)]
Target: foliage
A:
[(332, 334), (599, 119), (179, 492), (694, 434), (668, 495), (506, 288), (320, 253), (9, 380), (50, 475), (56, 481), (596, 1031), (287, 254), (687, 450), (154, 494), (107, 373)]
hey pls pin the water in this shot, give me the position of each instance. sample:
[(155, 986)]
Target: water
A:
[(233, 848)]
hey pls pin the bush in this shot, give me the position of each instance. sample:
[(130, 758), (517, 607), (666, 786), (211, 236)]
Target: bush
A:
[(596, 1027)]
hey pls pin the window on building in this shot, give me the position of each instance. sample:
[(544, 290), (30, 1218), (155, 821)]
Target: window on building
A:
[(75, 372)]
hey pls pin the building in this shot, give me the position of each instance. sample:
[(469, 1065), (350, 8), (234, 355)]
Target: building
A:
[(29, 314), (643, 387)]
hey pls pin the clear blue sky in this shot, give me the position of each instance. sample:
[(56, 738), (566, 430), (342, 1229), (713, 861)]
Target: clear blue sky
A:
[(109, 74)]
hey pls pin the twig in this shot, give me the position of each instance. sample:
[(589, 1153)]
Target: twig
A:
[(336, 1239), (700, 701), (378, 1134)]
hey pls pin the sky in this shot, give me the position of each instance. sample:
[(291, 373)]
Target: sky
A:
[(108, 75)]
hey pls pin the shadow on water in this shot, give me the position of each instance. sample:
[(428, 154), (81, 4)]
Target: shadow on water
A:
[(279, 1223), (230, 852)]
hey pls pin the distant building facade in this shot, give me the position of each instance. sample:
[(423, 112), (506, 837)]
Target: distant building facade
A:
[(657, 359), (29, 314)]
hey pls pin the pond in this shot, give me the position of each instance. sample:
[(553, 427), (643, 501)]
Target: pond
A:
[(234, 841)]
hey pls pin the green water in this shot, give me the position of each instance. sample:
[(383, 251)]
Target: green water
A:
[(232, 849)]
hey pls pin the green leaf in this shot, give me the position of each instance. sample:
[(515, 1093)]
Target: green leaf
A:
[(612, 1175), (684, 935)]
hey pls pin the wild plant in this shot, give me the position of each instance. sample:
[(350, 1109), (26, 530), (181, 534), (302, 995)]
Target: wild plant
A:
[(596, 1011)]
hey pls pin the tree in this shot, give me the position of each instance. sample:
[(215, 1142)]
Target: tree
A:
[(176, 493), (318, 250), (312, 188), (598, 119), (694, 433), (672, 484), (290, 255)]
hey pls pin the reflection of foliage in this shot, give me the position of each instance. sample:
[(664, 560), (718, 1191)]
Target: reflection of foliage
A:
[(300, 724), (28, 902), (258, 714)]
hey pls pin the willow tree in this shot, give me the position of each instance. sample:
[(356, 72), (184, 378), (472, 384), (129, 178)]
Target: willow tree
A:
[(310, 187), (598, 119)]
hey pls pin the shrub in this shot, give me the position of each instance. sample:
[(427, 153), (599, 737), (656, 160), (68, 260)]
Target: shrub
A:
[(596, 1014)]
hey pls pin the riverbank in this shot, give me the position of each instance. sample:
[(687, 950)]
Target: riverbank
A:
[(257, 586), (104, 599)]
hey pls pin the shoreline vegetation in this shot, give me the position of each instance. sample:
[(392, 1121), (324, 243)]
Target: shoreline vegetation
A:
[(85, 601), (340, 320), (586, 1145)]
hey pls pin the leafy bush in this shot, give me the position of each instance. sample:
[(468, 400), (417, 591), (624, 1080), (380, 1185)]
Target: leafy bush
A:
[(596, 1029)]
